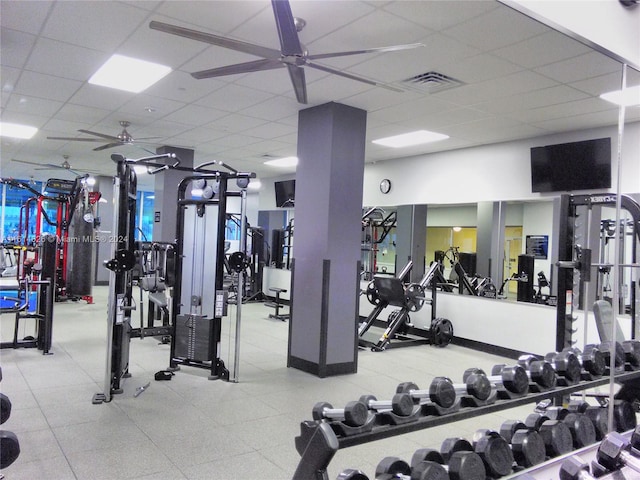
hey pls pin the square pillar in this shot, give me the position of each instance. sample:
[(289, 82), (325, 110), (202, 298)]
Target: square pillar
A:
[(326, 266)]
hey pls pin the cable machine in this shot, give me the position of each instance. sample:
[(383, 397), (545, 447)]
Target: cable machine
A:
[(199, 298)]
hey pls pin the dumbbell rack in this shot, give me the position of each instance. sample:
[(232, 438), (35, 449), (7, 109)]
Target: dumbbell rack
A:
[(318, 441)]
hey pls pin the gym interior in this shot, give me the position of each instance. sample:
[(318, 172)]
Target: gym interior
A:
[(173, 306)]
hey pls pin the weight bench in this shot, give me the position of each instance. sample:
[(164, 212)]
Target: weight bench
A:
[(277, 304)]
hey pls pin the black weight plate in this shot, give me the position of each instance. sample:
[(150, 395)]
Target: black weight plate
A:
[(372, 294), (441, 332)]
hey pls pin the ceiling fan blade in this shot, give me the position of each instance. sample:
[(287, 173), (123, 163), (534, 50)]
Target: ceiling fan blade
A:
[(351, 76), (254, 66), (299, 83), (224, 42), (393, 48), (101, 135), (108, 145), (74, 139), (144, 138), (25, 161), (287, 32)]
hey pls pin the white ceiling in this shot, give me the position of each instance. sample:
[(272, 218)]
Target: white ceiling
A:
[(520, 79)]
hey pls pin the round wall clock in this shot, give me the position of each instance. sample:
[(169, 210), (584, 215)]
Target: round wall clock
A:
[(385, 185)]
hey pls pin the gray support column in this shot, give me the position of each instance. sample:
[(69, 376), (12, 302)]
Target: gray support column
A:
[(411, 236), (166, 191), (490, 240), (325, 273)]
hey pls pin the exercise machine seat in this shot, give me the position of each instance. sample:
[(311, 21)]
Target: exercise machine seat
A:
[(603, 313)]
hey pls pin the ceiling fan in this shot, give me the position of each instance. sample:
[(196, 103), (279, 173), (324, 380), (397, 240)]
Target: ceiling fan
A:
[(292, 54), (123, 138), (65, 165)]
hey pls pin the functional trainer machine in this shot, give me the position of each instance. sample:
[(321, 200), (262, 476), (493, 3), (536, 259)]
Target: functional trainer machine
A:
[(199, 299), (384, 291)]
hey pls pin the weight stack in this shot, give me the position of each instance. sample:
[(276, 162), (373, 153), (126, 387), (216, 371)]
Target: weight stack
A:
[(193, 334), (526, 291), (468, 262)]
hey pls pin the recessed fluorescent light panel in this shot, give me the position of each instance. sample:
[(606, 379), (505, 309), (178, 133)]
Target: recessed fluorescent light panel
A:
[(16, 130), (409, 139), (128, 74), (283, 162), (629, 97)]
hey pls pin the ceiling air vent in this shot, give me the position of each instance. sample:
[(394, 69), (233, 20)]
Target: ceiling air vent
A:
[(432, 82)]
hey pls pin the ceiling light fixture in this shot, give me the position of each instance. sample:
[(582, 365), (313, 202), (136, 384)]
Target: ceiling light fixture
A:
[(409, 139), (283, 162), (16, 130), (629, 97), (128, 74)]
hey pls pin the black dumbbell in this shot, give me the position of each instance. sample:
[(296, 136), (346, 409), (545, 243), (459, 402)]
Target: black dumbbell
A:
[(608, 349), (581, 427), (354, 414), (351, 474), (463, 465), (5, 408), (527, 445), (490, 447), (443, 392), (613, 453), (555, 434), (401, 404), (566, 365), (512, 379), (10, 448), (631, 350), (542, 375), (393, 468), (574, 468), (592, 361)]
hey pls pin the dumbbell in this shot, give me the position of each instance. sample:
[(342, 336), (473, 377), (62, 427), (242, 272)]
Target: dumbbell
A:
[(566, 365), (631, 354), (401, 404), (608, 349), (527, 445), (443, 392), (394, 468), (581, 427), (351, 474), (490, 447), (574, 468), (5, 408), (354, 414), (509, 380), (542, 375), (613, 453), (462, 465), (555, 434), (623, 415), (10, 448), (592, 361)]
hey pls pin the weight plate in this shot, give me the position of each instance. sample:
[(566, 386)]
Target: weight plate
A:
[(372, 295), (414, 297), (441, 332)]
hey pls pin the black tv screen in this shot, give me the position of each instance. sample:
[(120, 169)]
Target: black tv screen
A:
[(285, 193), (564, 167)]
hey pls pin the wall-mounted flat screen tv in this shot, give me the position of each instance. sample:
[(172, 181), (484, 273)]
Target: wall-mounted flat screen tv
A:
[(584, 165), (285, 193)]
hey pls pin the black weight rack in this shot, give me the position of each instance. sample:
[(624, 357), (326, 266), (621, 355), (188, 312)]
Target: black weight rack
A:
[(320, 440)]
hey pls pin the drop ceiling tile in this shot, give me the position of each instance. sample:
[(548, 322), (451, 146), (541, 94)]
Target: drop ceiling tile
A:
[(61, 89), (25, 16), (275, 109), (32, 105), (16, 47), (182, 87), (233, 98), (194, 115), (550, 47), (101, 97), (271, 130), (589, 65), (439, 15), (79, 64), (91, 115), (480, 68), (568, 110), (101, 25), (538, 98), (498, 28), (235, 123)]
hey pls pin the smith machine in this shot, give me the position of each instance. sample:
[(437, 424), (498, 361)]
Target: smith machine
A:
[(199, 298)]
